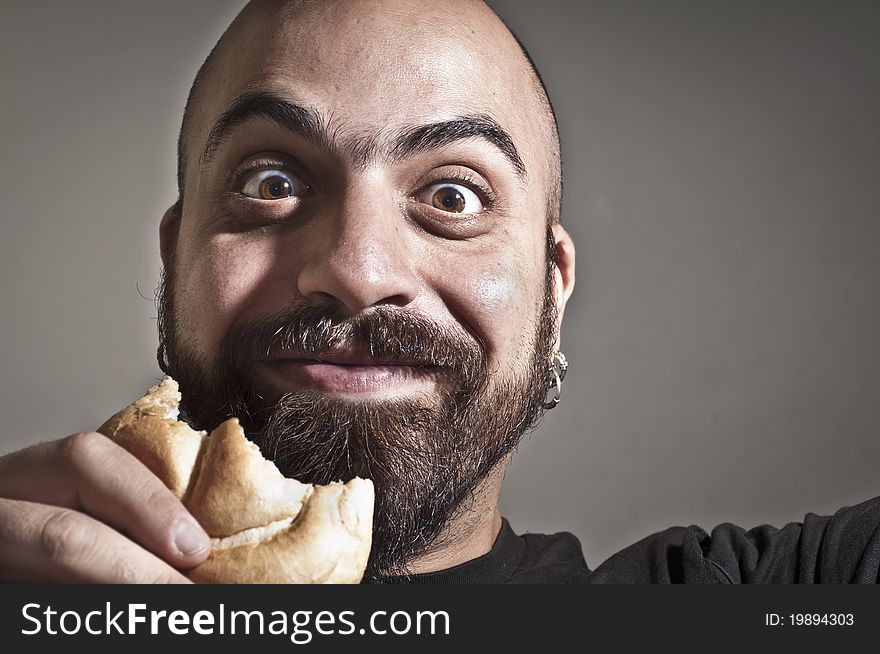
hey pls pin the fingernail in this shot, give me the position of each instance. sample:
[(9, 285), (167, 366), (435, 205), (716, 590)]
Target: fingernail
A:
[(190, 540)]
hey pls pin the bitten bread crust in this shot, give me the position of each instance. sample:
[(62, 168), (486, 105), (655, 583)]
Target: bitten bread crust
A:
[(264, 527)]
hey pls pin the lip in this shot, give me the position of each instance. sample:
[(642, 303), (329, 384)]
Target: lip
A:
[(349, 358), (350, 371)]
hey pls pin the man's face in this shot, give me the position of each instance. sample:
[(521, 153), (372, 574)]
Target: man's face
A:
[(360, 268)]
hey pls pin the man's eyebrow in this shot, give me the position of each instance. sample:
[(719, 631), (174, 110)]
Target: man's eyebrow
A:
[(308, 124), (259, 104), (437, 135)]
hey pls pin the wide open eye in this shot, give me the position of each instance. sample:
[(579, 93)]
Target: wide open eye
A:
[(272, 184), (452, 198)]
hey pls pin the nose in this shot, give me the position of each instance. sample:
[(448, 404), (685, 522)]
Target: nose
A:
[(358, 255)]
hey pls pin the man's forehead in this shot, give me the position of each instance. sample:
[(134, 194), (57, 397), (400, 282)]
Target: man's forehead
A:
[(365, 71), (374, 66)]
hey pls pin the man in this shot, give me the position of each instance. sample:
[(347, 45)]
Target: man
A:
[(365, 258), (365, 264)]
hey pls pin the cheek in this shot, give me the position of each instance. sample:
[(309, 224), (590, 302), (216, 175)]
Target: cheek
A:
[(225, 278), (493, 295), (498, 302)]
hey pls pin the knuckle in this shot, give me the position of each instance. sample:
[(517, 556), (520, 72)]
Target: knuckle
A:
[(159, 497), (165, 512), (82, 447), (64, 536), (125, 572)]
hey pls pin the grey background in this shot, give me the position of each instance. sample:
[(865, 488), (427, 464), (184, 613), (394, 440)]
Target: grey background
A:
[(722, 163)]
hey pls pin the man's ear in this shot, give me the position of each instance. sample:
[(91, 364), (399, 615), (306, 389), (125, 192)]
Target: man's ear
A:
[(169, 228), (564, 271)]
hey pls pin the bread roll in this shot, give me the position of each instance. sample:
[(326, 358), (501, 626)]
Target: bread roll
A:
[(264, 528)]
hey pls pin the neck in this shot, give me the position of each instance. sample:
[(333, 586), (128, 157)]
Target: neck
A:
[(470, 534)]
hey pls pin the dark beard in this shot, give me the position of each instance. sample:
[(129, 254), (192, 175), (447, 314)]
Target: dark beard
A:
[(426, 456)]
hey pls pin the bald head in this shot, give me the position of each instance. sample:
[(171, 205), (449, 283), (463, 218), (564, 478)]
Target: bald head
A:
[(383, 39)]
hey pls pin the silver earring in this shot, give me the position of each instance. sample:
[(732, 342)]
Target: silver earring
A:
[(555, 375)]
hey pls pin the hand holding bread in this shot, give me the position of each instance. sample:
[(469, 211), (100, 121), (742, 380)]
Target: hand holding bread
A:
[(81, 509), (87, 509)]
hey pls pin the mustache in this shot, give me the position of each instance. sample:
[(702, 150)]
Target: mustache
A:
[(312, 330)]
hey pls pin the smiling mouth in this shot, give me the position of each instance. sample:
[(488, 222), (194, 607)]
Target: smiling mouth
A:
[(352, 372)]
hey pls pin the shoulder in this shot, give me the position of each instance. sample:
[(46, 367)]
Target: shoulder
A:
[(666, 557), (841, 548)]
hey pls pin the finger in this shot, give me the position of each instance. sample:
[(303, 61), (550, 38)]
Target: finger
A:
[(87, 472), (40, 543)]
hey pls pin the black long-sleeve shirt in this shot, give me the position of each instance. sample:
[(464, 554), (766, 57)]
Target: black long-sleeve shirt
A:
[(843, 548)]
